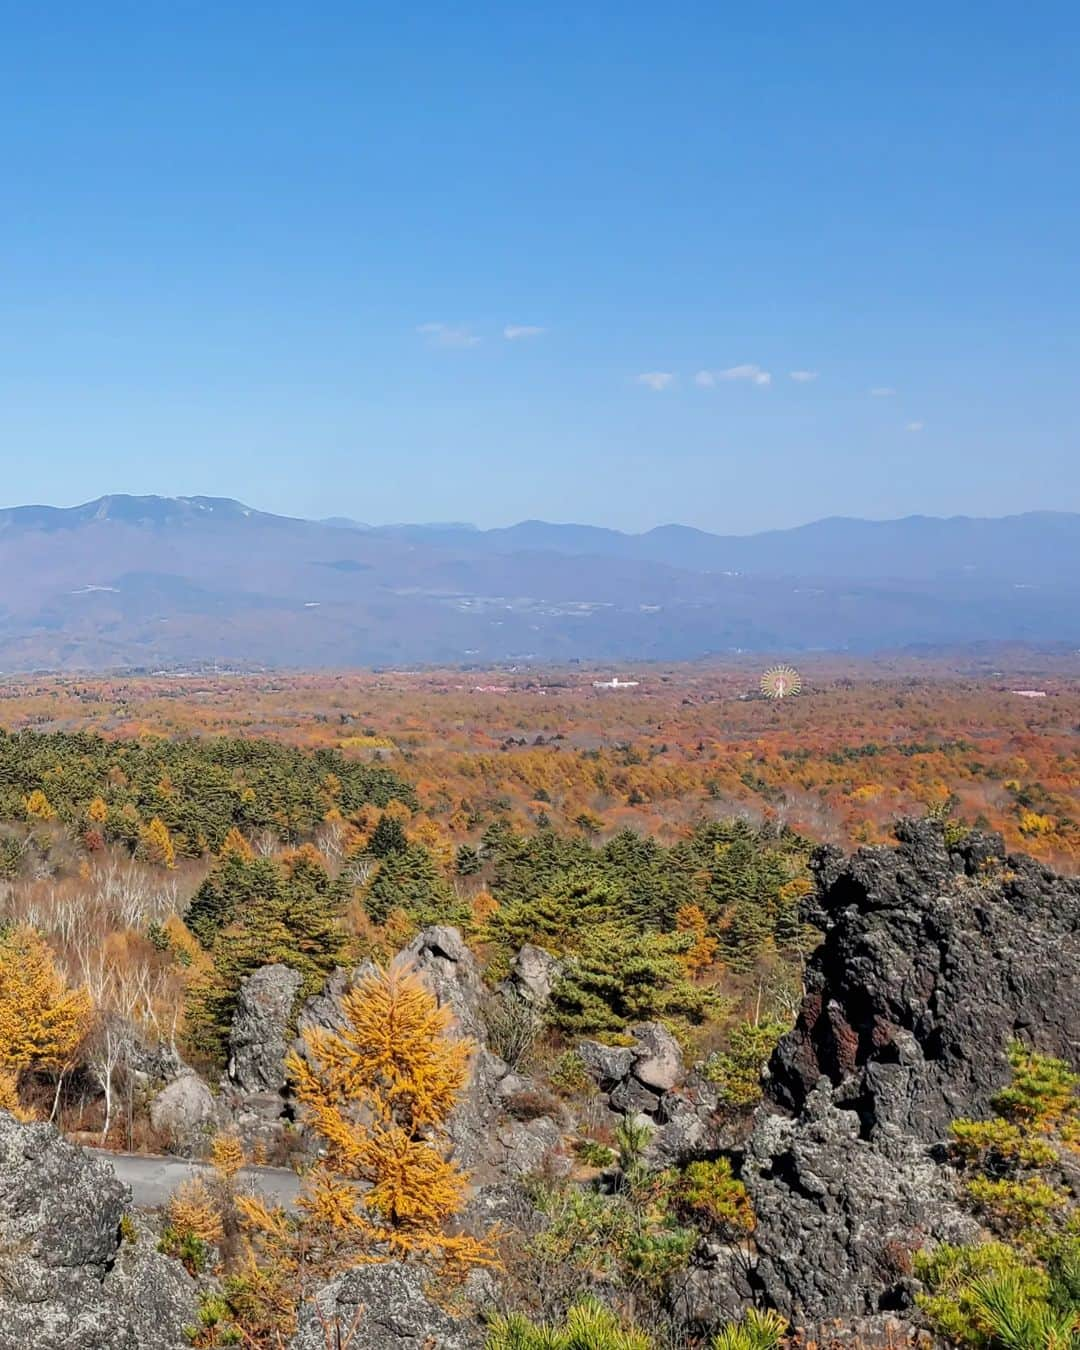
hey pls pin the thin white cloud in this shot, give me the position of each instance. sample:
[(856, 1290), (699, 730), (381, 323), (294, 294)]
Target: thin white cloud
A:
[(656, 380), (882, 391), (514, 332), (915, 426), (803, 376), (753, 374), (448, 335), (748, 372)]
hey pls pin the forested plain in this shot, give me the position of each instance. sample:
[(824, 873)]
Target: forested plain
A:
[(164, 837)]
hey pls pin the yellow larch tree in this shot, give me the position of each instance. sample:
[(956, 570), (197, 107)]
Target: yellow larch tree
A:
[(435, 839), (193, 1211), (236, 845), (482, 906), (9, 1096), (155, 843), (691, 919), (227, 1156), (38, 806), (397, 810), (379, 1094), (42, 1020)]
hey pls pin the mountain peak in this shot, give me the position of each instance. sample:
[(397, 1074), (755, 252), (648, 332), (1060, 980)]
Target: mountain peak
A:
[(126, 509)]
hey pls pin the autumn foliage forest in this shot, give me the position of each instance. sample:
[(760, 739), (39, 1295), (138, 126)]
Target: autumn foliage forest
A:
[(161, 837), (861, 745)]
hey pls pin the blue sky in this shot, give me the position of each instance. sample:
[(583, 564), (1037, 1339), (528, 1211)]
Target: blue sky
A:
[(275, 251)]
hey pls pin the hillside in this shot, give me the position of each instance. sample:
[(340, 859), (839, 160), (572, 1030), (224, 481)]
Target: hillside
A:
[(151, 581)]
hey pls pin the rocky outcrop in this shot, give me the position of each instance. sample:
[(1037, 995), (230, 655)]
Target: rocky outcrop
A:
[(688, 1125), (533, 976), (838, 1216), (635, 1077), (451, 973), (68, 1281), (323, 1010), (152, 1062), (254, 1090), (957, 949), (713, 1288), (450, 970), (379, 1306), (933, 959), (658, 1061), (649, 1083), (259, 1036), (484, 1139)]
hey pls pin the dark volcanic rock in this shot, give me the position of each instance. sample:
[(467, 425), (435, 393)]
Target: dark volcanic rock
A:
[(933, 959), (961, 948), (838, 1217), (67, 1281)]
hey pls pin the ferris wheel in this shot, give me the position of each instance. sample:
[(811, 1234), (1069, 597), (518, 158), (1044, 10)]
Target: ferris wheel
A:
[(781, 682)]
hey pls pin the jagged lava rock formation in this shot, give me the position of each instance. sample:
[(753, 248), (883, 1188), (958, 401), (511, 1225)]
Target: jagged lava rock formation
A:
[(934, 957)]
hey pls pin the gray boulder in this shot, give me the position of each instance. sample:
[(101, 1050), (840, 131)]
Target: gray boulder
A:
[(533, 976), (259, 1036), (153, 1062), (383, 1307), (876, 1331), (158, 1297), (657, 1059), (451, 973), (631, 1098), (185, 1114), (606, 1065), (713, 1288), (513, 1084), (519, 1147), (480, 1106), (689, 1127), (323, 1010), (67, 1281), (647, 1083)]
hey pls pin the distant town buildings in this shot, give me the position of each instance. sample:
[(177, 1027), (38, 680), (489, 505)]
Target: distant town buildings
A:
[(1030, 693)]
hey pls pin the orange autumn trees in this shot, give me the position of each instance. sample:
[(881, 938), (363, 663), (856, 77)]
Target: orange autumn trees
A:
[(378, 1093), (42, 1020), (155, 843), (867, 742), (395, 1063)]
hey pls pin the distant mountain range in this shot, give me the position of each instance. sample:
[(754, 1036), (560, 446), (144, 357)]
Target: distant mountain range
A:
[(915, 548), (171, 581)]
